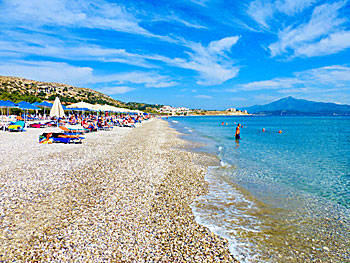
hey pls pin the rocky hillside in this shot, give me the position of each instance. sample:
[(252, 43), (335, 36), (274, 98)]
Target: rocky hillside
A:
[(18, 89)]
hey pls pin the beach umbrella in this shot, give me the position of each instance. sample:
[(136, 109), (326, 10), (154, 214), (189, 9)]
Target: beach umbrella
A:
[(23, 105), (57, 109), (108, 108), (81, 104), (123, 110), (7, 104), (43, 104)]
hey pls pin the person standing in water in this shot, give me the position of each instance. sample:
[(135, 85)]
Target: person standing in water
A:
[(238, 132)]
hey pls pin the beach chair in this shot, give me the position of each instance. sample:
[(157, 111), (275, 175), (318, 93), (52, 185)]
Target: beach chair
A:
[(37, 125), (55, 137), (16, 126), (90, 127), (72, 131)]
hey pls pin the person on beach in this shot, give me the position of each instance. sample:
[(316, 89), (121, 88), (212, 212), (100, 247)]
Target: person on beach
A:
[(238, 132)]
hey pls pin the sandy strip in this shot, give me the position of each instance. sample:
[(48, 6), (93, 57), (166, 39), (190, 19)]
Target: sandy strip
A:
[(121, 196)]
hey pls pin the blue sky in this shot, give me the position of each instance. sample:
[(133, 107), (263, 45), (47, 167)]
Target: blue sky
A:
[(210, 54)]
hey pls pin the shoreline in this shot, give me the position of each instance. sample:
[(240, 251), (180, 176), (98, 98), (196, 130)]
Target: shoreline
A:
[(123, 195)]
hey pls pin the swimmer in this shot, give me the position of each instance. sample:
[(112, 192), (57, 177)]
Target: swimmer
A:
[(238, 132)]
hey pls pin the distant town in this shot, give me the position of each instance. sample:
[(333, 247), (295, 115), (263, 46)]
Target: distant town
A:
[(183, 111)]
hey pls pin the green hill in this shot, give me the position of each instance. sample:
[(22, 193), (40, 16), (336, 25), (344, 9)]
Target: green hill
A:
[(18, 89)]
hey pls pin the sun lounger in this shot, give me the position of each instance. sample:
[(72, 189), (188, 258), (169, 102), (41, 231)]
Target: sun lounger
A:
[(16, 126), (75, 131), (37, 125), (90, 127), (48, 138)]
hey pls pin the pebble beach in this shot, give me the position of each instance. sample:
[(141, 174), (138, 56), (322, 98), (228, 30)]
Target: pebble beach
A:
[(120, 196)]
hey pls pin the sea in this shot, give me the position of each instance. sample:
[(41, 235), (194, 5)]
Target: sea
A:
[(276, 197)]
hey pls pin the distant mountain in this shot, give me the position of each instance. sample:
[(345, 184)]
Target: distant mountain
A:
[(293, 106)]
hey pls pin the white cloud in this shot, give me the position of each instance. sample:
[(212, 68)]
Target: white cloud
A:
[(203, 97), (291, 7), (325, 79), (263, 11), (40, 45), (221, 46), (173, 18), (334, 43), (324, 21), (211, 62), (89, 14), (200, 2), (148, 79), (64, 73), (115, 90), (322, 33), (47, 71)]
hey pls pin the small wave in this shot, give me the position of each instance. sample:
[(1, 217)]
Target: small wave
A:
[(228, 213), (225, 164), (175, 121), (220, 148)]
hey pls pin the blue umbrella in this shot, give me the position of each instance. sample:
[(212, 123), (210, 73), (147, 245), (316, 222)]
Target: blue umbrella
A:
[(7, 104), (23, 105), (43, 104)]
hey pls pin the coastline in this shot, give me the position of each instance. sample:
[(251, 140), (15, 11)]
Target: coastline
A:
[(123, 195)]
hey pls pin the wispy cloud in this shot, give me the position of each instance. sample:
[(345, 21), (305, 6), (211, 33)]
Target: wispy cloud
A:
[(47, 71), (89, 14), (211, 62), (263, 11), (173, 18), (148, 79), (203, 97), (332, 44), (200, 2), (65, 73), (41, 45), (324, 21), (324, 79), (115, 90)]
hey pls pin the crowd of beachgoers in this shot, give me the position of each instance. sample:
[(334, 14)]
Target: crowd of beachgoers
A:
[(85, 123), (89, 118)]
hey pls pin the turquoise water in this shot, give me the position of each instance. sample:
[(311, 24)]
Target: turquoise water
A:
[(277, 197)]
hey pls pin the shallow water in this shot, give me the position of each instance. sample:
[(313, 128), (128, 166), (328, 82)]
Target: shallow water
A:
[(277, 197)]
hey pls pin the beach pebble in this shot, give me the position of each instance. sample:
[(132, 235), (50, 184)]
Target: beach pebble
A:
[(121, 196)]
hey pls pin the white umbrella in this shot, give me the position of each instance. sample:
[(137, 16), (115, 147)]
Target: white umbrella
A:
[(97, 107), (108, 108), (81, 104), (123, 110), (57, 109)]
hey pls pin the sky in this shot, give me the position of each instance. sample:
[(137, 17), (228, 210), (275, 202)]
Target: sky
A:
[(209, 54)]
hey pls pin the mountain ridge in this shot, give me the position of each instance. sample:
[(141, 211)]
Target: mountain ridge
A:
[(292, 106)]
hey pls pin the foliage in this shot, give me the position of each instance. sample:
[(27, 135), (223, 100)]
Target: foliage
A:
[(17, 97), (143, 106)]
